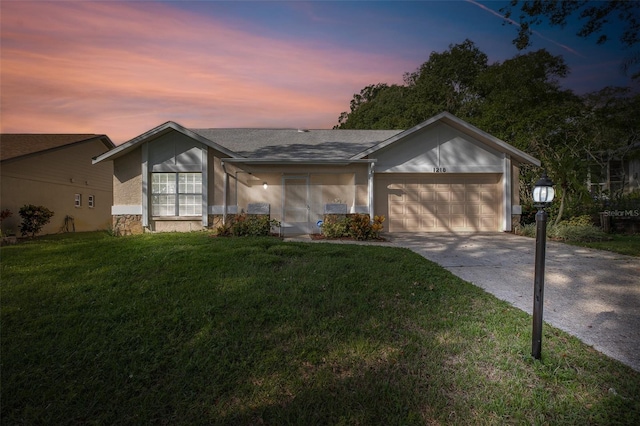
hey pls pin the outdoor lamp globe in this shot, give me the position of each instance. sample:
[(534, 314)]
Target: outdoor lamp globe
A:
[(543, 192)]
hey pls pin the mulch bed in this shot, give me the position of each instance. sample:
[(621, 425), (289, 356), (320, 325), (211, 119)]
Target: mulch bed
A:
[(317, 237)]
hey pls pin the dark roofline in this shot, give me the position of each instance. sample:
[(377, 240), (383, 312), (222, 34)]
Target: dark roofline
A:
[(86, 138), (156, 132), (460, 125)]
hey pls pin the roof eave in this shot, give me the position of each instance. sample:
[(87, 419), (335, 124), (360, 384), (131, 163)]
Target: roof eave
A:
[(299, 161), (156, 132), (463, 126)]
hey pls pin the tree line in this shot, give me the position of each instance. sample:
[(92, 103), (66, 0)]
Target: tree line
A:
[(520, 101)]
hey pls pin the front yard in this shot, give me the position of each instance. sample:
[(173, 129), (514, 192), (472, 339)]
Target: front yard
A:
[(189, 329)]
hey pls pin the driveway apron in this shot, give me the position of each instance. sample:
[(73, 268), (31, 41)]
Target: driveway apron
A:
[(591, 294)]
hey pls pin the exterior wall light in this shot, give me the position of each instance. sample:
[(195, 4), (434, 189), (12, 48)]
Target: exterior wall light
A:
[(264, 185), (543, 194)]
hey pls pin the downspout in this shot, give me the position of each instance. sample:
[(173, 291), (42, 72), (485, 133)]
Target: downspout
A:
[(224, 193)]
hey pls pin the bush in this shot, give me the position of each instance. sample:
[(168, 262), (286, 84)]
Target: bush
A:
[(34, 218), (335, 226), (578, 229), (579, 233), (245, 225), (357, 226), (583, 220)]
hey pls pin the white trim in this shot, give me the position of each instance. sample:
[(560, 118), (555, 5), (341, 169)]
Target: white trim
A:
[(506, 194), (218, 209), (145, 184), (428, 169), (156, 132), (205, 185), (462, 126), (299, 161), (126, 209), (371, 190)]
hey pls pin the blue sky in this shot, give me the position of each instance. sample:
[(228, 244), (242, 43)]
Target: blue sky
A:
[(123, 67)]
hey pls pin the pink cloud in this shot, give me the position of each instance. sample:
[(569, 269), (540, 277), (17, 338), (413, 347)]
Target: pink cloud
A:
[(122, 68)]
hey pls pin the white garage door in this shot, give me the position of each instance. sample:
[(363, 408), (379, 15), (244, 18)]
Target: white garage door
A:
[(439, 202)]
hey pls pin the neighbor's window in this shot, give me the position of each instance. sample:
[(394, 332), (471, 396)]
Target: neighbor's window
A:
[(176, 194), (91, 201), (78, 200)]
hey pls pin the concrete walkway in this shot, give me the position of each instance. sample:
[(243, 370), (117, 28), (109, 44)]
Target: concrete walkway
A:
[(591, 294)]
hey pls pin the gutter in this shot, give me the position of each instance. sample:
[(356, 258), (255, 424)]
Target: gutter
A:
[(300, 161)]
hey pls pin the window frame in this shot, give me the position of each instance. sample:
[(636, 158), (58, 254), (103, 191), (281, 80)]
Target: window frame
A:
[(176, 190), (77, 200), (91, 201)]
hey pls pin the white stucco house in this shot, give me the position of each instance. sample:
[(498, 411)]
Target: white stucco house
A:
[(442, 175)]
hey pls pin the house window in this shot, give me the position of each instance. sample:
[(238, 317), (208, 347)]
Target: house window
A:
[(176, 194), (91, 201), (78, 200)]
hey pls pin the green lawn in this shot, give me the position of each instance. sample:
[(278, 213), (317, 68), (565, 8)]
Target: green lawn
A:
[(189, 329), (623, 244)]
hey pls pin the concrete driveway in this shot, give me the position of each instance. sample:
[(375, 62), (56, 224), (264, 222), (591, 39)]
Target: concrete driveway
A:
[(591, 294)]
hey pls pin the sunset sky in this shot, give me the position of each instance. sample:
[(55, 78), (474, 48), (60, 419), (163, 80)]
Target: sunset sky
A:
[(123, 67)]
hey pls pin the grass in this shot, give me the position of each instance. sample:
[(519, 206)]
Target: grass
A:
[(188, 329), (619, 243)]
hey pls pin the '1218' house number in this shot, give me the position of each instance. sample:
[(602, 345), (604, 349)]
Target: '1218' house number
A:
[(439, 170)]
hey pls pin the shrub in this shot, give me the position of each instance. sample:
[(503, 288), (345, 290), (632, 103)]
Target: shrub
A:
[(34, 218), (5, 214), (583, 220), (581, 233), (335, 226), (357, 226), (245, 225), (377, 226), (578, 229)]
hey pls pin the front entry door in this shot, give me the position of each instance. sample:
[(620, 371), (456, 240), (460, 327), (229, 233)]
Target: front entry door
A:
[(295, 217)]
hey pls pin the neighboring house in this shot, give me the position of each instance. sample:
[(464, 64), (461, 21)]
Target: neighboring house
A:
[(618, 173), (441, 175), (56, 171)]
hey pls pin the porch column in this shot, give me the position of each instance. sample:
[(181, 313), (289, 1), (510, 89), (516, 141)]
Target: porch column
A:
[(145, 184), (507, 199), (224, 192), (205, 186), (371, 200)]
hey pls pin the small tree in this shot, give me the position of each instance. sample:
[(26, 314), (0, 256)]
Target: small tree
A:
[(34, 218)]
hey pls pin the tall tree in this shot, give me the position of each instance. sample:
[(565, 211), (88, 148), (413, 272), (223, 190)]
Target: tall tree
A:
[(445, 82), (596, 17)]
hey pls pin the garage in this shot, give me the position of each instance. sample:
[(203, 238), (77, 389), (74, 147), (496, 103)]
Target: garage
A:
[(469, 202)]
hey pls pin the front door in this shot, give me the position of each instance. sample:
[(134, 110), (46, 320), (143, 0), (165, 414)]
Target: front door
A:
[(295, 210)]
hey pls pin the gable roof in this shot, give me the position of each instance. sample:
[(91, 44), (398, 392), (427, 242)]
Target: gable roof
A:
[(294, 144), (461, 126), (156, 132), (17, 145), (339, 146)]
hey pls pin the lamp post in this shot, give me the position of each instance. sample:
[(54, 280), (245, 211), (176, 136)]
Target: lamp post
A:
[(543, 194)]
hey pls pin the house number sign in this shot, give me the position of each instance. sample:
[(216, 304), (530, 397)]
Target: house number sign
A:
[(439, 170)]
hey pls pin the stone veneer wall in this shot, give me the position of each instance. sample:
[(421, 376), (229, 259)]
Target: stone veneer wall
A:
[(127, 224)]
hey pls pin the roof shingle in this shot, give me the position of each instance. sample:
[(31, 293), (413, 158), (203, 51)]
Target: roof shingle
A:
[(294, 144), (14, 145)]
